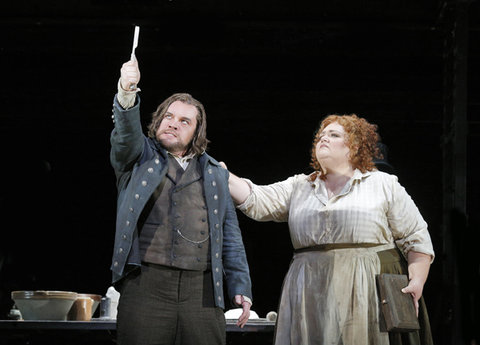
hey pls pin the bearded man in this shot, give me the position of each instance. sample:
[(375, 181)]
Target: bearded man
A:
[(177, 232)]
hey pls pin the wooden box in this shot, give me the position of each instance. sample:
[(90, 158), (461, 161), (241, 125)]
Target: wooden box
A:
[(397, 307)]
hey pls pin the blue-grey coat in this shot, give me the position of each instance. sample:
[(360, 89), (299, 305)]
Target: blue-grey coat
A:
[(140, 164)]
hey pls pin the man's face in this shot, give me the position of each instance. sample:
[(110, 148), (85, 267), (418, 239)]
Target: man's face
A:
[(177, 128)]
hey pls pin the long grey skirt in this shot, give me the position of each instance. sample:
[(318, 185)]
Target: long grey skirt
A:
[(330, 297)]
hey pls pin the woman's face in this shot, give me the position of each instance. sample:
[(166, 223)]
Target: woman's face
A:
[(331, 148)]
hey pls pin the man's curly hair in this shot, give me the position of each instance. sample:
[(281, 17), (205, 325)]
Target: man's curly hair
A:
[(361, 137)]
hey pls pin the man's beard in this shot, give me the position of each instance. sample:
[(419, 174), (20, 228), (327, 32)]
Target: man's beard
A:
[(176, 146), (172, 147)]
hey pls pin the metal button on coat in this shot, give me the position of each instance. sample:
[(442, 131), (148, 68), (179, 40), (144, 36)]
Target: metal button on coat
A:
[(214, 183), (137, 196), (150, 170), (215, 197), (215, 211), (144, 183), (210, 171)]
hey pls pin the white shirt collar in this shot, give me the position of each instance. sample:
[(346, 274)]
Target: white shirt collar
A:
[(183, 161)]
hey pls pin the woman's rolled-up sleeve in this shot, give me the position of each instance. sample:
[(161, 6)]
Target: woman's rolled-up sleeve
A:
[(408, 226)]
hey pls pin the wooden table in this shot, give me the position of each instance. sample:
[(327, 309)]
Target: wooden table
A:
[(103, 331)]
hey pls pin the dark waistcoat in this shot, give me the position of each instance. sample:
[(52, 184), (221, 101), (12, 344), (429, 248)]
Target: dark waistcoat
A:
[(174, 223)]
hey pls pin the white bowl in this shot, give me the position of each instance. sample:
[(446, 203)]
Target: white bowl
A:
[(44, 305)]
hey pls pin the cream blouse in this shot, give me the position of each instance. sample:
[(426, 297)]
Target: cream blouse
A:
[(372, 208)]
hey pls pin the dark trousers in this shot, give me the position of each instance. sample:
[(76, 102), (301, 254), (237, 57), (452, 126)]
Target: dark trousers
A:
[(165, 306)]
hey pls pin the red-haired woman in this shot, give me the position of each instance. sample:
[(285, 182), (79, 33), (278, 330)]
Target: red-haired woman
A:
[(348, 223)]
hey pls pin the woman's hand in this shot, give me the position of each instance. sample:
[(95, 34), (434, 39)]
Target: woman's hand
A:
[(415, 288)]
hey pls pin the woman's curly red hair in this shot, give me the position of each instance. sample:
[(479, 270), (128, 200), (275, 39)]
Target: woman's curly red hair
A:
[(360, 136)]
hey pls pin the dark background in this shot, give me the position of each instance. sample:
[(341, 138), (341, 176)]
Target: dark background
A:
[(267, 73)]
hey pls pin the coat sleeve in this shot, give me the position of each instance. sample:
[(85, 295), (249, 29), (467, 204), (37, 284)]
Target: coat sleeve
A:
[(127, 139), (235, 265)]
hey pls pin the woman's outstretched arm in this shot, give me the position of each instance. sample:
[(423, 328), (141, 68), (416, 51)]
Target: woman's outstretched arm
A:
[(239, 189)]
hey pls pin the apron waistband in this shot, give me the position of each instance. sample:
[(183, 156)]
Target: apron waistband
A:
[(332, 246)]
